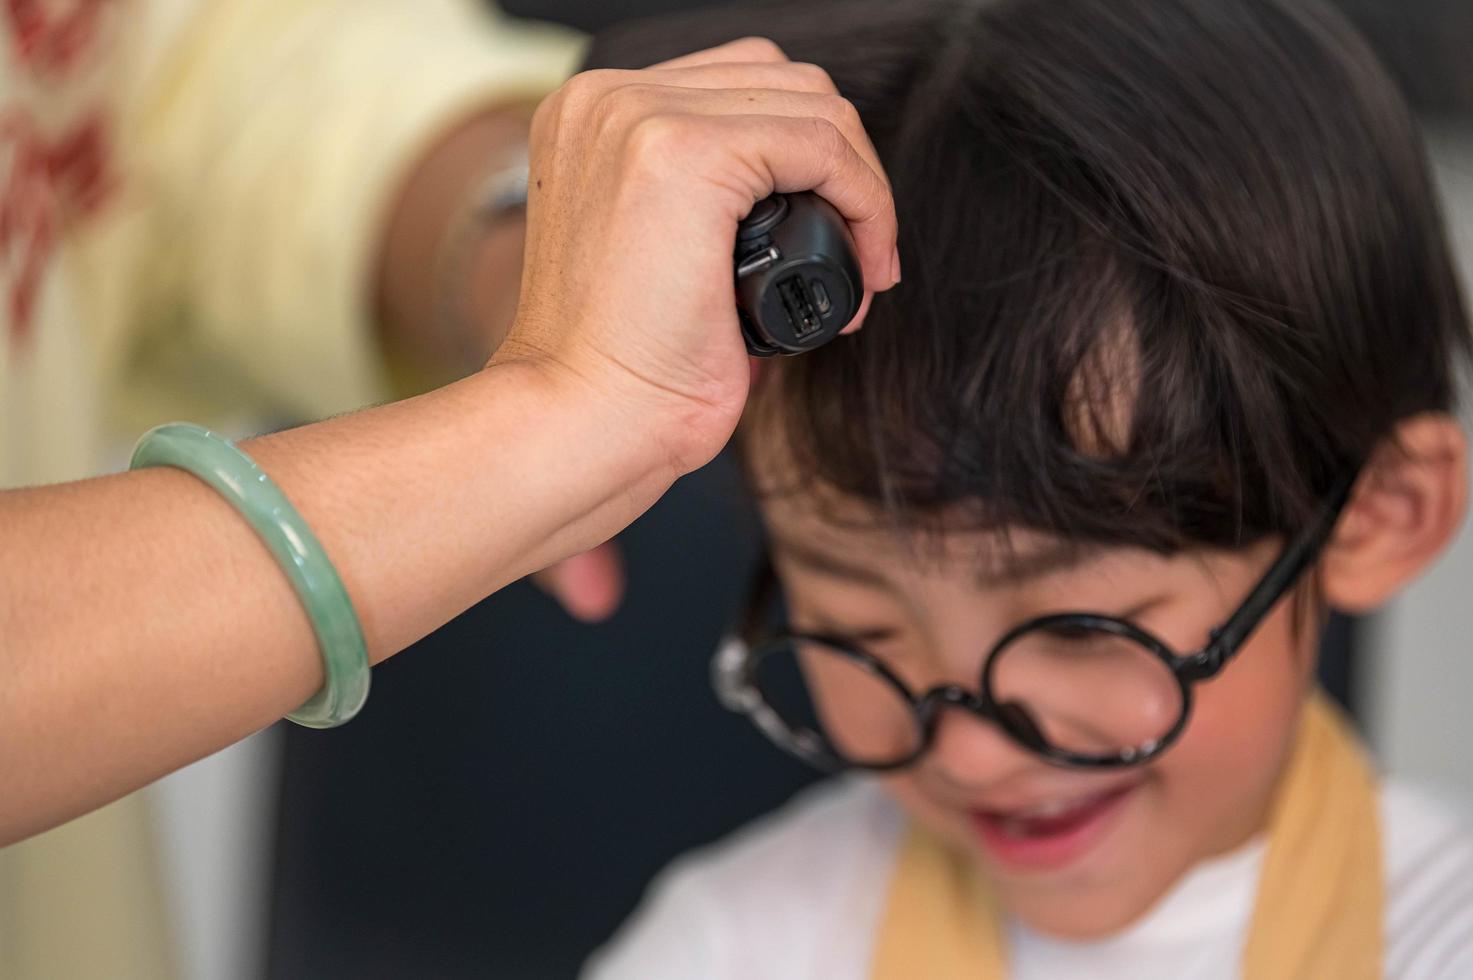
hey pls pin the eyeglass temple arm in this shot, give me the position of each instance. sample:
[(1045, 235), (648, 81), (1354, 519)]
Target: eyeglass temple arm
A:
[(1302, 552)]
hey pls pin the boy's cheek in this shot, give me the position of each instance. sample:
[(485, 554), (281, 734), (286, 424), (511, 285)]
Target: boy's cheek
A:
[(1248, 712), (1220, 776), (939, 819)]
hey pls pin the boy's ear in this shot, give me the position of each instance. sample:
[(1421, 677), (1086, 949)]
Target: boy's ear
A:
[(1405, 509)]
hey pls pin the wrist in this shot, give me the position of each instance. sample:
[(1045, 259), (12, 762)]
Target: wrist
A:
[(648, 434)]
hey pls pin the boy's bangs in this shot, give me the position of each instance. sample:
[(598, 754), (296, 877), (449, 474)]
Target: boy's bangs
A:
[(1050, 384)]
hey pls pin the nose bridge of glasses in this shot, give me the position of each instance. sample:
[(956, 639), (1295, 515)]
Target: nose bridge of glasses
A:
[(938, 699), (981, 735), (1012, 720)]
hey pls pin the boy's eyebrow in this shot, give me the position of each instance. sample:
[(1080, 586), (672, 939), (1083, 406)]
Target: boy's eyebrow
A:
[(1056, 556), (826, 563), (1044, 560)]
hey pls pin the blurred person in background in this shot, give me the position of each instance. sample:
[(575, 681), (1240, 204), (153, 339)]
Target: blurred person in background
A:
[(239, 213), (1171, 375)]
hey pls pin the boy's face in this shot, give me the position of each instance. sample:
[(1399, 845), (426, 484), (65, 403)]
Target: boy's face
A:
[(1072, 852)]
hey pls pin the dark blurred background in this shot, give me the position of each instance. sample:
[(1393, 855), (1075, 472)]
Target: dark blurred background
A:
[(518, 778)]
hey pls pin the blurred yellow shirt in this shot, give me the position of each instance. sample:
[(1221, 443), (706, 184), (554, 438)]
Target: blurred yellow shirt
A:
[(190, 197), (190, 193)]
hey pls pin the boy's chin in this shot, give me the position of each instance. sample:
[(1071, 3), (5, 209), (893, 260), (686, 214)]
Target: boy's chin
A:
[(1099, 897), (1080, 912), (1097, 894), (1083, 903)]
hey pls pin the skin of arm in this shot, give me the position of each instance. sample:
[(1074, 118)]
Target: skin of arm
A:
[(410, 299), (144, 625)]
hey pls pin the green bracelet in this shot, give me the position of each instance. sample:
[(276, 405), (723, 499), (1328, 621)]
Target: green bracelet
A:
[(220, 463)]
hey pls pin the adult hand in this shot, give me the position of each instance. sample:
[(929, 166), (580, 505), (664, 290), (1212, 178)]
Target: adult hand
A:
[(638, 180)]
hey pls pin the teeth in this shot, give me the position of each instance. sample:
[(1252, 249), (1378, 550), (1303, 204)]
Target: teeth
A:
[(1053, 808), (1021, 824)]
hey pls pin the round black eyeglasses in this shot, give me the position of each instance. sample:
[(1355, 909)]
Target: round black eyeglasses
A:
[(1076, 688)]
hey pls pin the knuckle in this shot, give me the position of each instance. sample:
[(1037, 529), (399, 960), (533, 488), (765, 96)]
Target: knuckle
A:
[(658, 137), (759, 48), (827, 137), (837, 154), (586, 87), (846, 113), (812, 76), (636, 92), (616, 108)]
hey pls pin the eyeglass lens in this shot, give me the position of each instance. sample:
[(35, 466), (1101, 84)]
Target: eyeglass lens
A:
[(1088, 691), (860, 715)]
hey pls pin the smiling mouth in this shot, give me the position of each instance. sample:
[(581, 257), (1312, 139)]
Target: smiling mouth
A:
[(1049, 835)]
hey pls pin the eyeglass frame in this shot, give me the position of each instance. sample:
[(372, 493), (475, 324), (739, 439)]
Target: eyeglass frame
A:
[(733, 668)]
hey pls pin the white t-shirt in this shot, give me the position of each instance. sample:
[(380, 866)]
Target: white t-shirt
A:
[(797, 895)]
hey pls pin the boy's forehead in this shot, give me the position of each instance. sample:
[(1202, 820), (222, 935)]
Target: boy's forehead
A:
[(851, 539), (823, 528)]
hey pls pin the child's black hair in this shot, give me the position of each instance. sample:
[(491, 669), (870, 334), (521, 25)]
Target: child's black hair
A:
[(1170, 266)]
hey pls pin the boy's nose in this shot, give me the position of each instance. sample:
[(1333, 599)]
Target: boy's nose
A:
[(971, 751)]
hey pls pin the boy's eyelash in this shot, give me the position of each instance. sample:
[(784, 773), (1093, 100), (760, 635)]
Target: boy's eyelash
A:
[(821, 625), (859, 637), (874, 635)]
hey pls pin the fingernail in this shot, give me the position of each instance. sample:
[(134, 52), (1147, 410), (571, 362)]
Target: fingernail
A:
[(895, 265)]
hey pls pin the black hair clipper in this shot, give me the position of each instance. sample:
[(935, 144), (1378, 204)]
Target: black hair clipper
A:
[(797, 277)]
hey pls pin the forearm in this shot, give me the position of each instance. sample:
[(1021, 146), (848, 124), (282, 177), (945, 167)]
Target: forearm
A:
[(143, 625), (446, 321)]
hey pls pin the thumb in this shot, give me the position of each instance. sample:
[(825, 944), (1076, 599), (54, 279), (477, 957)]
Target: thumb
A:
[(589, 586)]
